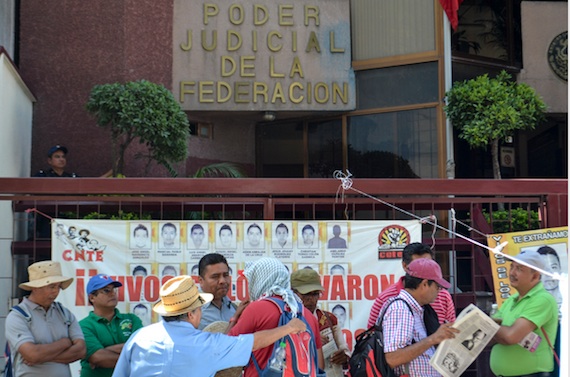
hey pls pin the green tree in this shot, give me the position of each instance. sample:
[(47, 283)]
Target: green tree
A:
[(488, 110), (145, 111), (220, 169)]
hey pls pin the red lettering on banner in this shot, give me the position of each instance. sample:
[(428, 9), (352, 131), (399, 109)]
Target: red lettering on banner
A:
[(389, 255), (134, 287), (152, 288), (356, 286), (370, 287), (337, 290), (241, 288), (354, 289), (121, 292), (80, 286), (230, 294), (350, 337), (83, 255), (165, 279)]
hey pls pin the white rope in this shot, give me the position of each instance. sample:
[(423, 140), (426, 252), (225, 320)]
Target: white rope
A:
[(346, 184), (469, 227)]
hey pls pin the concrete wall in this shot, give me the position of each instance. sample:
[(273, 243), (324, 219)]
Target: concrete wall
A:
[(64, 54), (541, 23), (7, 9), (16, 105)]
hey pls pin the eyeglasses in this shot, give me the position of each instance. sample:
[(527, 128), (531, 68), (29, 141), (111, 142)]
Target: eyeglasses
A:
[(107, 290)]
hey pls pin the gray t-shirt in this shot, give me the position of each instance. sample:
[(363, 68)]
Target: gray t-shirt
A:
[(44, 328)]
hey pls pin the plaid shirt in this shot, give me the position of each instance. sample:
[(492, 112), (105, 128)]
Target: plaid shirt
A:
[(443, 304), (401, 328)]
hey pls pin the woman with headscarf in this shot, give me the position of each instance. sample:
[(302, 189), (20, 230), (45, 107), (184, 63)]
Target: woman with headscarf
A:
[(268, 277)]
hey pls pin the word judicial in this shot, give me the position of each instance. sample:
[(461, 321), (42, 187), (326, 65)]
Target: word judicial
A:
[(263, 55)]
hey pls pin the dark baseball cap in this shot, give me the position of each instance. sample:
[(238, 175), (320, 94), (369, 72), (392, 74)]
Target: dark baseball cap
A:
[(56, 148)]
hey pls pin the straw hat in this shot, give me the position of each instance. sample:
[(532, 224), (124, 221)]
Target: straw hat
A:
[(45, 273), (180, 295), (221, 326)]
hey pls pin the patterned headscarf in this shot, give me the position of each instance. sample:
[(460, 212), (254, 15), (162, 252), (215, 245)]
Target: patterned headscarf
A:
[(268, 277)]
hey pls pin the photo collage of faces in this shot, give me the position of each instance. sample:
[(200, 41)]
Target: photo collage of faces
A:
[(290, 240), (297, 244)]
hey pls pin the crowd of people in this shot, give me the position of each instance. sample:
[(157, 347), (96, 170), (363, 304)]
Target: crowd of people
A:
[(45, 337)]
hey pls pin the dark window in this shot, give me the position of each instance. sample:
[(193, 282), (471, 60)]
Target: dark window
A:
[(397, 86), (324, 148), (394, 145), (280, 150)]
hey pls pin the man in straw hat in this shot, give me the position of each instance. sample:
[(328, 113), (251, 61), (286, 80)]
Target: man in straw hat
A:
[(406, 343), (44, 336), (268, 277), (175, 347), (105, 328), (531, 309)]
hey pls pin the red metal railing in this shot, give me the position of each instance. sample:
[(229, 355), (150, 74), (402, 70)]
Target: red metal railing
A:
[(297, 199)]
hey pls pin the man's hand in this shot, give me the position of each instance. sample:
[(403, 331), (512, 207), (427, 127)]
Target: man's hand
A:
[(339, 357), (444, 332), (296, 326), (242, 305)]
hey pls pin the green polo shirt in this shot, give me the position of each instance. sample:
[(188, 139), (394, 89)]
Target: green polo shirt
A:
[(539, 307), (100, 333)]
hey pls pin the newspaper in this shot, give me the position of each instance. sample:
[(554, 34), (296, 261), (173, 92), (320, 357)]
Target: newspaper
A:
[(329, 348), (453, 356)]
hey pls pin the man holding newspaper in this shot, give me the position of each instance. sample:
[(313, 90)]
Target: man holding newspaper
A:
[(529, 323), (407, 346)]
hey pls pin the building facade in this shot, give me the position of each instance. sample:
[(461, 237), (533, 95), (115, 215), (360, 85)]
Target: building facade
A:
[(292, 90)]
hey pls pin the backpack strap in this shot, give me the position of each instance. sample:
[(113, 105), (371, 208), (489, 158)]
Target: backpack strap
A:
[(282, 309), (64, 312), (23, 312), (388, 305), (8, 369)]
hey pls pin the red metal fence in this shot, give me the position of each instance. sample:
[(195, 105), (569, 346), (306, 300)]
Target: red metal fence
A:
[(476, 204)]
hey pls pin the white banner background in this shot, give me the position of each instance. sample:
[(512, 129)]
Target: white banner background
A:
[(352, 276)]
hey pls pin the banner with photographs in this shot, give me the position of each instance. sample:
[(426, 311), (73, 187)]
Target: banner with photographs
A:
[(552, 243), (356, 259)]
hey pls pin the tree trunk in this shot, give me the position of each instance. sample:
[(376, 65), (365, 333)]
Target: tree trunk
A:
[(496, 166), (495, 155), (114, 155)]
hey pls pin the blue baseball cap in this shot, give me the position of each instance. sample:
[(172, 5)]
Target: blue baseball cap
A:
[(56, 148), (101, 281)]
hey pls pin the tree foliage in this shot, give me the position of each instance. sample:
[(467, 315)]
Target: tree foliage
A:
[(486, 110), (220, 169), (145, 111)]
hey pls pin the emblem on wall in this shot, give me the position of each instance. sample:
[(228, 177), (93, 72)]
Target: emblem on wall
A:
[(558, 55)]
